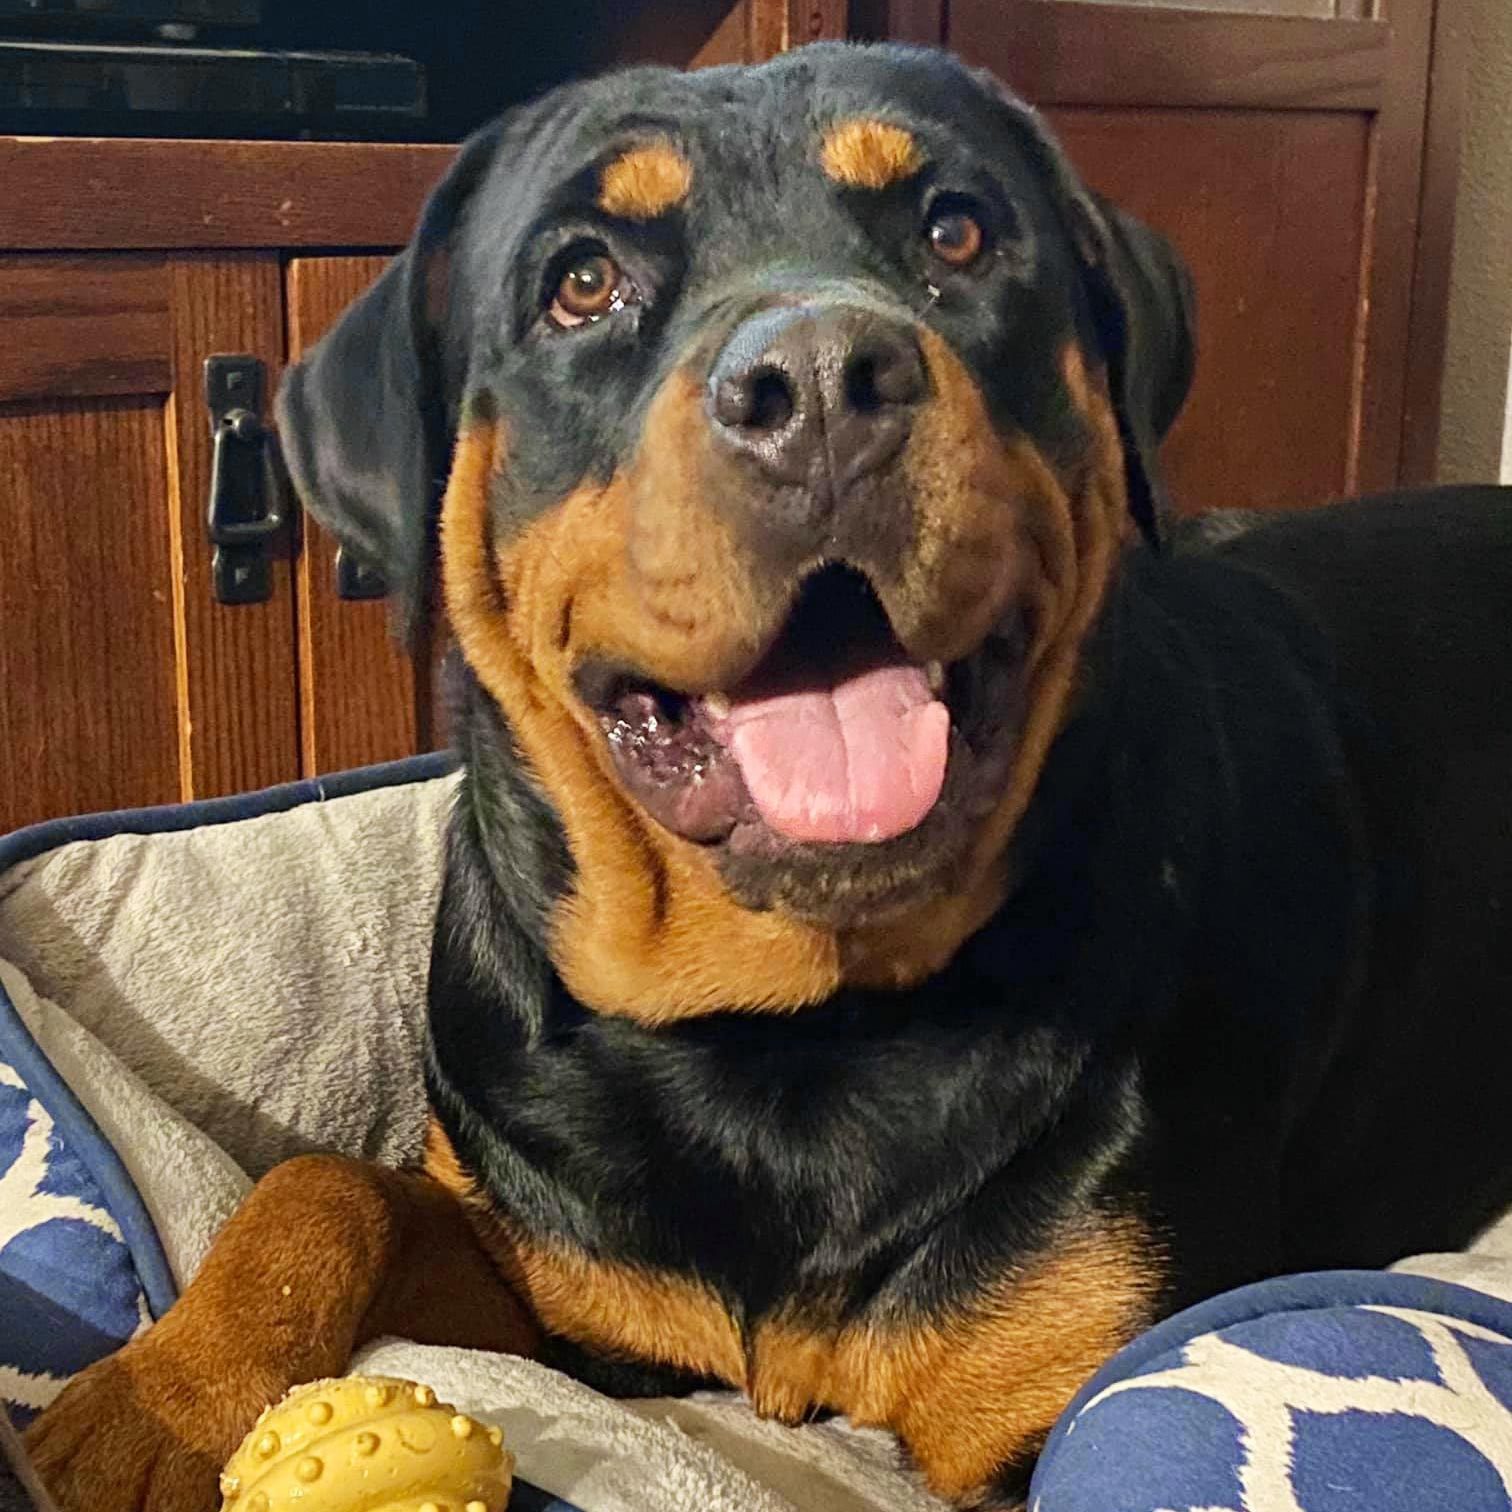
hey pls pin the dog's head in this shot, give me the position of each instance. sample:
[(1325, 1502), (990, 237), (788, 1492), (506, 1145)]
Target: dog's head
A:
[(783, 427)]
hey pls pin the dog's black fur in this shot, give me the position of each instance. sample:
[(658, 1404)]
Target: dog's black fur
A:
[(1252, 978)]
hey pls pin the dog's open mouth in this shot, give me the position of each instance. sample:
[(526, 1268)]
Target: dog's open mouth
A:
[(836, 738)]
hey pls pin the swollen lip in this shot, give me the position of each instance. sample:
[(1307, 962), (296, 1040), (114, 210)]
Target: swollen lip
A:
[(679, 773)]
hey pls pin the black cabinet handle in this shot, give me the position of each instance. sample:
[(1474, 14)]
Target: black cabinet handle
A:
[(246, 512), (356, 579)]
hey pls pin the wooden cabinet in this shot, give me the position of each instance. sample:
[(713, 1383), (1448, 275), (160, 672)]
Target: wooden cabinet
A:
[(1288, 156), (121, 680)]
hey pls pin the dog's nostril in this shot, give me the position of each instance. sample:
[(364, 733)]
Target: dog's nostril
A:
[(771, 401), (862, 393), (892, 373), (760, 401)]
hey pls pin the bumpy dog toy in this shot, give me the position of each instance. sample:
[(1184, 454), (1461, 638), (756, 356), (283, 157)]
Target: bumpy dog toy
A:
[(367, 1444)]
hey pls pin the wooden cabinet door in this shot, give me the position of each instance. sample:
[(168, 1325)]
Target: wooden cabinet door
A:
[(1280, 144), (122, 682), (362, 699)]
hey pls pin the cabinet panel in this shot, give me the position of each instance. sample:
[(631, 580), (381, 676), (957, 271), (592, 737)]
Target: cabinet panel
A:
[(238, 661), (360, 697), (122, 681), (116, 193), (88, 664), (1268, 209), (68, 333)]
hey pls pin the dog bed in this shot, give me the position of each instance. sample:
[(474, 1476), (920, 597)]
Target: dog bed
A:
[(189, 995)]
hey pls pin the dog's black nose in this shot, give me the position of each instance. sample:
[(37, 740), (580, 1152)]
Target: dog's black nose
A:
[(812, 392)]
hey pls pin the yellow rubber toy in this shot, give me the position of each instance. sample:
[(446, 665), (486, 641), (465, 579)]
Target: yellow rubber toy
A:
[(367, 1444)]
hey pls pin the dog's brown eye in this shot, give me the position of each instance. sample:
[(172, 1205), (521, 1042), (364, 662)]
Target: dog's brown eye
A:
[(955, 236), (591, 287)]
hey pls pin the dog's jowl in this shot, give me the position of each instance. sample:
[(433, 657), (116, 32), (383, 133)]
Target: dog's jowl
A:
[(914, 913)]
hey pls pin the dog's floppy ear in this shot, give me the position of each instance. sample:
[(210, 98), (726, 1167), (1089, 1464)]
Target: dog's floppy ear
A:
[(366, 417), (1142, 304), (1144, 310)]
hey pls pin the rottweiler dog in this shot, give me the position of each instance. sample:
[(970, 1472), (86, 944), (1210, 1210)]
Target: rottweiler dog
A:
[(912, 916)]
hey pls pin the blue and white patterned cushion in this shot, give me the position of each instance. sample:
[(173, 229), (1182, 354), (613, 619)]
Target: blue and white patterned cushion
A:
[(69, 1288), (1342, 1392)]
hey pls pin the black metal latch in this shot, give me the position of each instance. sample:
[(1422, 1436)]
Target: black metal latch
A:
[(246, 507), (356, 579)]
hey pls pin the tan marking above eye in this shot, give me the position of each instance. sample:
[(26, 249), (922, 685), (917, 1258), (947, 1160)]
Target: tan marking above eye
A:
[(645, 182), (866, 154)]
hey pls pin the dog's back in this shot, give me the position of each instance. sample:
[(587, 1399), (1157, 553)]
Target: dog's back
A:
[(1412, 596)]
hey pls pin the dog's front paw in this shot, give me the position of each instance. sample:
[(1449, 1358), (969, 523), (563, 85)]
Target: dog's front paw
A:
[(135, 1434)]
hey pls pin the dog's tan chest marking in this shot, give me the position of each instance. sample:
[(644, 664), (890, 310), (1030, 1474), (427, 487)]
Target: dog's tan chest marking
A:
[(967, 1393), (622, 1310)]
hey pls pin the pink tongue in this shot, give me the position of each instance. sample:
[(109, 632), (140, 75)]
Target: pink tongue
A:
[(861, 761)]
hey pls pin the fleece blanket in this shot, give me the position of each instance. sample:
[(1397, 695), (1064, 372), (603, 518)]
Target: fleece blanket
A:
[(188, 996)]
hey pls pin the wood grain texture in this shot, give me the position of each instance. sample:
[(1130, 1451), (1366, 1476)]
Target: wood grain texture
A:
[(729, 40), (87, 644), (778, 25), (1448, 83), (238, 679), (360, 698), (84, 193), (1067, 54), (817, 21), (694, 33), (1392, 250), (766, 29), (1268, 209), (76, 327)]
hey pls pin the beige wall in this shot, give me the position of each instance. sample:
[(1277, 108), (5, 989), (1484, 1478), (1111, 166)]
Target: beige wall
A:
[(1506, 465), (1475, 443)]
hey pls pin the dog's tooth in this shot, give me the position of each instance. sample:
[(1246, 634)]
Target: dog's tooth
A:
[(718, 705), (935, 672)]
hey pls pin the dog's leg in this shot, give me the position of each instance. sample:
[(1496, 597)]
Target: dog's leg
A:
[(976, 1390), (978, 1423), (324, 1255)]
